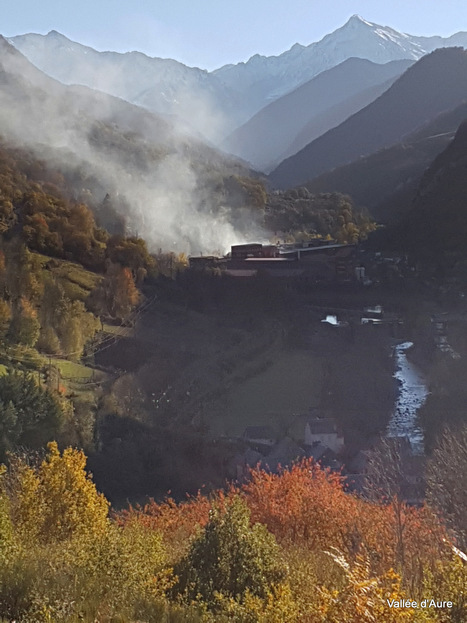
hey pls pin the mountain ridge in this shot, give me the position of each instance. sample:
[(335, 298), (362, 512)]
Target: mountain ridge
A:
[(386, 44), (270, 133), (386, 182), (436, 83), (217, 102)]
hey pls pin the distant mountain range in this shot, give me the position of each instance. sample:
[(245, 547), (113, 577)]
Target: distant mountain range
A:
[(215, 103), (435, 84), (163, 86), (273, 76), (289, 123), (365, 111)]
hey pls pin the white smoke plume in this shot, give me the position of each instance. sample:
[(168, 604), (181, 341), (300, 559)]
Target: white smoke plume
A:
[(167, 179)]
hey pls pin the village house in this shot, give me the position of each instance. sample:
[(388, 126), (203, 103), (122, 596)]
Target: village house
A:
[(323, 455), (324, 431), (283, 454)]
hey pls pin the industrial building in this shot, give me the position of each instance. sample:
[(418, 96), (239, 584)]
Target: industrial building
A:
[(314, 260)]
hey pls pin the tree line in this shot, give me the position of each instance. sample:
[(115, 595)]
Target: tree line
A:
[(292, 547)]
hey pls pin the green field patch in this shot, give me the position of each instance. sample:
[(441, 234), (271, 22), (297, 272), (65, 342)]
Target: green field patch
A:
[(72, 370), (118, 330), (288, 387), (3, 369), (76, 281)]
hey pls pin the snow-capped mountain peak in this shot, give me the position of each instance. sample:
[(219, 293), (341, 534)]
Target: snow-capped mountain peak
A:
[(355, 21), (232, 93), (357, 38)]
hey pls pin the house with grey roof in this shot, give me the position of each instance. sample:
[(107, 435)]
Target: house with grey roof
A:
[(324, 431), (324, 456), (283, 454)]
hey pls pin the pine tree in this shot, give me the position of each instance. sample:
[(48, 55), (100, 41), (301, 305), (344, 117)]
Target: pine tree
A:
[(29, 415)]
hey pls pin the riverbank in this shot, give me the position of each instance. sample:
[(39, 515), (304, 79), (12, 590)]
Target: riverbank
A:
[(413, 392)]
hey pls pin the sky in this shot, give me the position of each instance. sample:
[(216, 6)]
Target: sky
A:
[(212, 33)]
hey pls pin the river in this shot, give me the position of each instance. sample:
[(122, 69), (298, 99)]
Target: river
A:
[(413, 392)]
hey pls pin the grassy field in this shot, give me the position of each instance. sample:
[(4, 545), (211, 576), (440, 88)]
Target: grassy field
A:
[(69, 369), (290, 386), (77, 282), (118, 330)]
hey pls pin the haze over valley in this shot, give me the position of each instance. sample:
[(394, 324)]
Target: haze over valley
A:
[(156, 157), (238, 297)]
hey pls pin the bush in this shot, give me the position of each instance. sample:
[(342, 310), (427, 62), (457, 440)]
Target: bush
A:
[(230, 559)]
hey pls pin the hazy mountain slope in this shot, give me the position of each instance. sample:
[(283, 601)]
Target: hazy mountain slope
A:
[(334, 116), (267, 135), (436, 83), (214, 103), (386, 181), (161, 85), (274, 76), (435, 229), (168, 186)]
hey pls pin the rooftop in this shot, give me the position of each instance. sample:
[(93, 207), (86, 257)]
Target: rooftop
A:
[(322, 426)]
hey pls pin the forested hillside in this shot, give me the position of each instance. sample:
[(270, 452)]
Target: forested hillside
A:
[(301, 215), (436, 225), (386, 182), (60, 273)]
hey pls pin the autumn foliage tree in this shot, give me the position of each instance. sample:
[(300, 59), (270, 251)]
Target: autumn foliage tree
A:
[(177, 523), (63, 560), (130, 253), (5, 317), (117, 294), (24, 327), (304, 504), (57, 500), (23, 273)]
